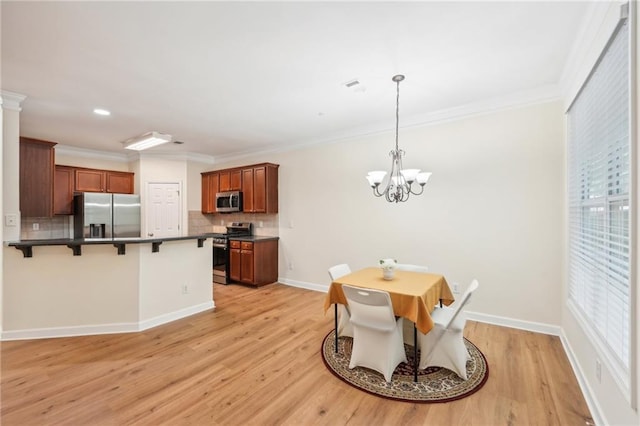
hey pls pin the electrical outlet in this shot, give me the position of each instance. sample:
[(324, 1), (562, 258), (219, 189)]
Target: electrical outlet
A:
[(11, 220), (598, 371), (185, 289), (36, 226), (456, 288), (260, 224), (291, 266)]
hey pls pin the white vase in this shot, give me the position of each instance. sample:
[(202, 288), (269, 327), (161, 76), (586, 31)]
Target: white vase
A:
[(388, 274)]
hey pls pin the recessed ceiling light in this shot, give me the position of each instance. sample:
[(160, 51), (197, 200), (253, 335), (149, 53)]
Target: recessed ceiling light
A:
[(101, 111)]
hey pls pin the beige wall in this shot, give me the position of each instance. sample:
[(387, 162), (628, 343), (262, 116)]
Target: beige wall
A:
[(55, 293), (492, 209)]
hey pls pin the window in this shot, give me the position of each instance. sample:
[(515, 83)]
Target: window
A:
[(599, 187)]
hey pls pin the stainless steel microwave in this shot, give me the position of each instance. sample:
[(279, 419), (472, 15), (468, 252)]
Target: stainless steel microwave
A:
[(229, 202)]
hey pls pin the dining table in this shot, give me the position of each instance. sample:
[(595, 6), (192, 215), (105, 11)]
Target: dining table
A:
[(413, 295)]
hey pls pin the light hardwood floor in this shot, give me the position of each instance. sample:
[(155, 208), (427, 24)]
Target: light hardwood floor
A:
[(256, 360)]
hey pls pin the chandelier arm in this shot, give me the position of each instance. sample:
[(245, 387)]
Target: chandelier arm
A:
[(417, 193)]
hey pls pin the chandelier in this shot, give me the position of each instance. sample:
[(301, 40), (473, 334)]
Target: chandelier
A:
[(399, 184)]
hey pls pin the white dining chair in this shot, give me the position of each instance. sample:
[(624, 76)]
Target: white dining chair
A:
[(413, 268), (344, 325), (408, 325), (377, 334), (444, 345)]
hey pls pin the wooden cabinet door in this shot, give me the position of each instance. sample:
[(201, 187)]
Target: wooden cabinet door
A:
[(209, 190), (230, 180), (260, 190), (235, 266), (37, 170), (235, 180), (89, 180), (119, 182), (246, 263), (63, 190), (247, 190), (205, 198)]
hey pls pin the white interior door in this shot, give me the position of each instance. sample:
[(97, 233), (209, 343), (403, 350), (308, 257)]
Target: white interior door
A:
[(163, 210)]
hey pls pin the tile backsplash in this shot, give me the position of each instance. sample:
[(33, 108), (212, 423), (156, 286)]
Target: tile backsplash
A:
[(263, 224), (46, 228), (62, 226)]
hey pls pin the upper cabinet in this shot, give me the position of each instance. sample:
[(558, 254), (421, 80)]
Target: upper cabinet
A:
[(94, 180), (69, 180), (63, 184), (210, 185), (258, 183), (260, 188), (230, 180), (37, 159)]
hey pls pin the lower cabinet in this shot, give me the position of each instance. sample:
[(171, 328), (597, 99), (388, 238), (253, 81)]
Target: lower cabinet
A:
[(253, 262)]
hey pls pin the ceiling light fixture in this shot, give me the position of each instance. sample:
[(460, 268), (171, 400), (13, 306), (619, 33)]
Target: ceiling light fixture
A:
[(100, 111), (398, 186), (147, 140)]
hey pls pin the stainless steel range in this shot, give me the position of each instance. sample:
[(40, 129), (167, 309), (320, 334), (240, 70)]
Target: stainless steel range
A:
[(221, 249)]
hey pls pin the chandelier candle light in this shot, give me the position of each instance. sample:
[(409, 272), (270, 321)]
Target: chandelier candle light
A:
[(399, 184)]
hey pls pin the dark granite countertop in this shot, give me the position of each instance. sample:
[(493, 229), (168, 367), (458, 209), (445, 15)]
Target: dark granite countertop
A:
[(75, 244), (254, 238)]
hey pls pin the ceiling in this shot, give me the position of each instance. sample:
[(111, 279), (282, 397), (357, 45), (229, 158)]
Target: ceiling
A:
[(228, 78)]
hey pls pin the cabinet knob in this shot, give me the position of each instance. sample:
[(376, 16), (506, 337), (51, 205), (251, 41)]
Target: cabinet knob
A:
[(150, 234)]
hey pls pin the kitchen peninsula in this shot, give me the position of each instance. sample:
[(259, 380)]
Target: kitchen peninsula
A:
[(96, 289)]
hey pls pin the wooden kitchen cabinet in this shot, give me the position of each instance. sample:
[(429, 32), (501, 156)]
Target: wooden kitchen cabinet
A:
[(260, 188), (254, 262), (210, 184), (258, 183), (37, 169), (95, 180), (63, 186), (119, 182), (230, 180)]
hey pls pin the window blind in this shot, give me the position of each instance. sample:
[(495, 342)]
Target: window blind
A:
[(599, 202)]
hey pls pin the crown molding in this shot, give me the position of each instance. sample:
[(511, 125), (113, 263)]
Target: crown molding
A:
[(133, 156), (11, 100), (178, 156), (521, 99), (91, 153)]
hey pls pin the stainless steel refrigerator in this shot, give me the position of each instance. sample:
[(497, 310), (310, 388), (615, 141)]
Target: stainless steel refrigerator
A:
[(100, 215)]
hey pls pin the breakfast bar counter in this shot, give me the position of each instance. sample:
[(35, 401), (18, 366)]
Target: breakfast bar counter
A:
[(95, 291), (26, 246)]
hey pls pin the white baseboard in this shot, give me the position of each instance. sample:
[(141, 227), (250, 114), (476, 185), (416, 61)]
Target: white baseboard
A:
[(87, 330), (302, 284), (175, 315), (596, 411), (73, 331), (536, 327)]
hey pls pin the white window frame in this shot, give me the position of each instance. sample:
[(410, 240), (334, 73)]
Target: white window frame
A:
[(623, 371)]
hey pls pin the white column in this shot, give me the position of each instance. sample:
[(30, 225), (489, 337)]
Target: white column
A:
[(10, 176), (10, 103)]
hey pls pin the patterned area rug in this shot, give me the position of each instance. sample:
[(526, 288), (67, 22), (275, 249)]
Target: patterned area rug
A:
[(434, 384)]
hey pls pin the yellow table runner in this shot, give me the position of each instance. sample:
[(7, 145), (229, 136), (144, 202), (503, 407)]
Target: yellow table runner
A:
[(413, 294)]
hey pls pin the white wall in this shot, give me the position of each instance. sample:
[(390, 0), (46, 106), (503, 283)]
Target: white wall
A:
[(611, 403)]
